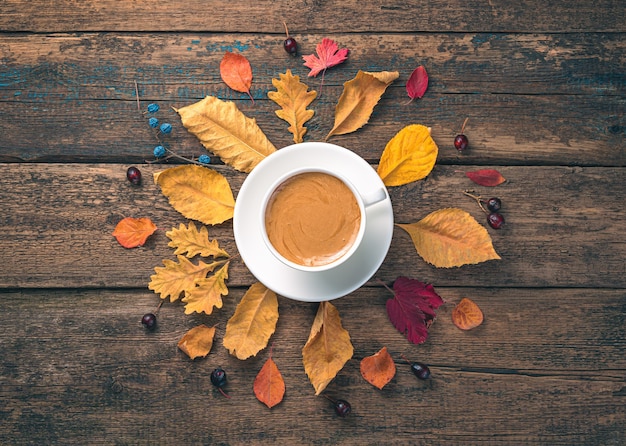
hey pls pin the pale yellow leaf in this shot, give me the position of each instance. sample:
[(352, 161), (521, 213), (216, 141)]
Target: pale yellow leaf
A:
[(208, 292), (175, 278), (198, 341), (293, 96), (198, 193), (409, 156), (451, 237), (250, 328), (327, 349), (224, 130), (191, 241), (360, 96)]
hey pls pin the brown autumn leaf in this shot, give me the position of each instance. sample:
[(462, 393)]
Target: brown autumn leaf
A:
[(133, 232), (451, 237), (327, 349), (269, 385), (253, 323), (175, 278), (379, 368), (207, 292), (360, 96), (467, 315), (236, 72), (198, 341), (190, 241)]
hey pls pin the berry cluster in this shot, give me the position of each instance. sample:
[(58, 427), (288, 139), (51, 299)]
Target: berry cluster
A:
[(491, 207)]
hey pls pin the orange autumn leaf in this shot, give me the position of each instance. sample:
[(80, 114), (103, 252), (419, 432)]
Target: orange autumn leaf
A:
[(467, 315), (379, 368), (198, 341), (269, 385), (236, 72), (133, 232)]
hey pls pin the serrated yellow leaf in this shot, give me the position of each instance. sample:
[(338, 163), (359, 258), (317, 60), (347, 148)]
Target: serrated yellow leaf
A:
[(224, 130), (190, 241), (198, 193), (198, 341), (207, 293), (358, 99), (327, 349), (253, 323), (175, 278), (409, 156), (451, 237), (293, 96)]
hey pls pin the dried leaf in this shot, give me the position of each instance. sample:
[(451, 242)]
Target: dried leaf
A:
[(360, 96), (418, 83), (328, 55), (250, 328), (327, 349), (207, 293), (133, 232), (224, 130), (269, 386), (188, 240), (175, 278), (379, 368), (197, 192), (467, 315), (236, 72), (293, 96), (486, 177), (451, 237), (409, 156), (413, 308), (198, 341)]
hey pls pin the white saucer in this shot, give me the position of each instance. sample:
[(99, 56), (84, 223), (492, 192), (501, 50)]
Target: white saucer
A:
[(288, 281)]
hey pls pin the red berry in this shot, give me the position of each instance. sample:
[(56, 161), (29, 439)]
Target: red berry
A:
[(461, 142), (420, 370), (495, 220), (149, 321), (290, 45), (134, 175), (494, 204), (342, 408)]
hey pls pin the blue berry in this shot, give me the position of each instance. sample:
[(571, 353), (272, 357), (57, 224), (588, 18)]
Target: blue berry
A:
[(153, 108), (154, 122), (166, 128), (204, 159), (159, 152)]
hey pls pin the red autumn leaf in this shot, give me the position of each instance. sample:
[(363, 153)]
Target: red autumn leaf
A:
[(236, 72), (467, 315), (269, 386), (329, 56), (413, 308), (418, 83), (379, 368), (132, 232), (486, 177)]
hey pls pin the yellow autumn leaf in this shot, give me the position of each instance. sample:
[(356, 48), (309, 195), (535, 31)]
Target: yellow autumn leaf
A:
[(198, 193), (198, 341), (190, 241), (409, 156), (293, 96), (253, 323), (327, 349), (224, 130), (360, 96), (451, 237), (174, 278), (207, 293)]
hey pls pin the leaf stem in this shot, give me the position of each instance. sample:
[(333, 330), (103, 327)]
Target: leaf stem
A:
[(386, 286)]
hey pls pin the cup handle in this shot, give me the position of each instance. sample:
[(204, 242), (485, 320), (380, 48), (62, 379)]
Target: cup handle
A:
[(374, 197)]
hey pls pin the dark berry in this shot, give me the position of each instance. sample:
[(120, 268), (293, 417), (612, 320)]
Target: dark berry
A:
[(218, 377), (149, 321), (495, 220), (494, 204), (461, 142), (342, 408), (290, 45), (134, 175), (420, 370)]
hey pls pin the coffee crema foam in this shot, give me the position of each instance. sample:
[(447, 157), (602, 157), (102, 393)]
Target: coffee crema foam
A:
[(312, 219)]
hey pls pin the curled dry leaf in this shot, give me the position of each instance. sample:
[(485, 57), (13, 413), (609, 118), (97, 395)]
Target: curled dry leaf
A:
[(133, 232), (451, 237), (269, 385), (198, 341), (207, 292), (379, 368), (236, 72), (467, 315), (418, 83), (190, 241), (486, 177), (175, 278)]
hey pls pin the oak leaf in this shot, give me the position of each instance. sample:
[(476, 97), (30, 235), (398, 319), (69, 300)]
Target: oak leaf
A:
[(451, 237), (293, 96), (328, 55), (190, 241), (207, 292), (418, 83), (486, 177), (358, 99), (327, 349), (224, 130), (175, 278), (198, 341), (379, 368), (467, 315), (198, 193), (236, 72), (253, 323), (269, 385), (133, 232), (409, 156)]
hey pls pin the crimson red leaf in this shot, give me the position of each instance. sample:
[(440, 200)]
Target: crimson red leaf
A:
[(418, 83), (486, 177), (413, 308)]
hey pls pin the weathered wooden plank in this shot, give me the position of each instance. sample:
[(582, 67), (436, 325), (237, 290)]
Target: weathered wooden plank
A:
[(547, 366), (330, 16), (563, 228)]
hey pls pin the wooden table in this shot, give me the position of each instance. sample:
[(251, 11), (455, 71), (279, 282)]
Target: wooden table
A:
[(543, 86)]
